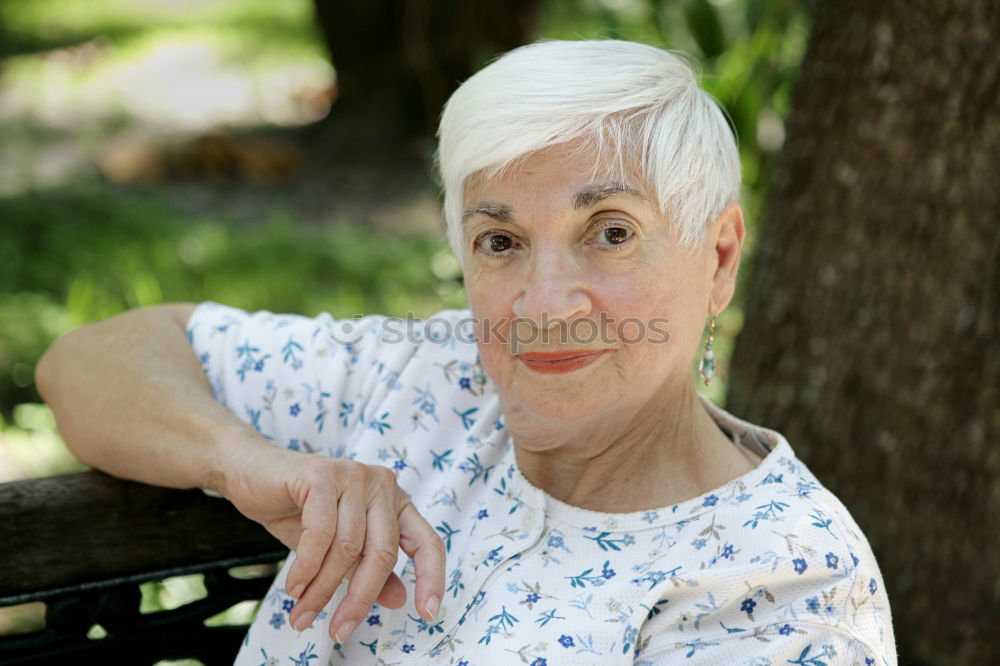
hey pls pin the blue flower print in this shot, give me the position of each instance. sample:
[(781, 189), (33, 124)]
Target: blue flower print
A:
[(710, 500), (380, 423), (805, 659), (872, 586), (399, 464), (408, 648), (699, 543), (277, 620), (294, 410), (287, 605), (374, 620), (812, 604), (727, 552), (442, 459), (540, 661), (465, 383), (532, 598), (305, 656), (583, 579), (566, 641), (747, 606), (832, 561), (548, 616), (786, 629), (483, 514), (447, 532), (800, 565)]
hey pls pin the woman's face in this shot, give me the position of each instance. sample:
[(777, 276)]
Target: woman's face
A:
[(560, 262)]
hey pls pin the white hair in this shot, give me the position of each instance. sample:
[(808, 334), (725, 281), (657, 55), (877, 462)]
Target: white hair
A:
[(639, 107)]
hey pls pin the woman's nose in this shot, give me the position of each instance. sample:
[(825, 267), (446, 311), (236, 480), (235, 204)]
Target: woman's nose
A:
[(553, 291)]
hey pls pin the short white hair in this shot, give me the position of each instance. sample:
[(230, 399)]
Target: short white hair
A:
[(639, 107)]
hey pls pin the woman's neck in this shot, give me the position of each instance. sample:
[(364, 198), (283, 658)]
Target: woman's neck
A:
[(666, 451)]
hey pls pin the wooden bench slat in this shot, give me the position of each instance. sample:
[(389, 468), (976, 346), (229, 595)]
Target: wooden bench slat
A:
[(89, 530)]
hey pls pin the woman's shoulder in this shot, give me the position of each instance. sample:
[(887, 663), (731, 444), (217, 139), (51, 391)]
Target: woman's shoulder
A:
[(775, 556)]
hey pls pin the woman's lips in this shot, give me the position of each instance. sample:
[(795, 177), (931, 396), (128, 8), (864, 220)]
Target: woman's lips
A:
[(554, 363)]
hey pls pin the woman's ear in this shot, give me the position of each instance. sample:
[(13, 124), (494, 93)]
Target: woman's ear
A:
[(728, 232)]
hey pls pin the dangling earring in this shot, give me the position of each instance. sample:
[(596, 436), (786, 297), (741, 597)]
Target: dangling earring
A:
[(707, 366)]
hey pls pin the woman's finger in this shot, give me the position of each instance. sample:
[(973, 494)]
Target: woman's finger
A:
[(419, 540), (319, 525), (380, 553), (342, 554)]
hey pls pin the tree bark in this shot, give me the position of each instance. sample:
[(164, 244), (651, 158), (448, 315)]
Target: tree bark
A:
[(871, 311), (397, 61)]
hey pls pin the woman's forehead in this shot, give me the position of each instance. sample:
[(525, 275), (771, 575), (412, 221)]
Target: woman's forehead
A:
[(577, 173)]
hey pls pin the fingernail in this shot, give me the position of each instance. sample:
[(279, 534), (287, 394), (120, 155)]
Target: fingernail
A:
[(304, 621), (432, 606), (344, 631), (296, 591)]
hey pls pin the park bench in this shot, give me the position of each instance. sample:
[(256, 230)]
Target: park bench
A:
[(83, 543)]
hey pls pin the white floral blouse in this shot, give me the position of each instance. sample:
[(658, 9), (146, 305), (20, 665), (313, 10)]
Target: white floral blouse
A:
[(769, 569)]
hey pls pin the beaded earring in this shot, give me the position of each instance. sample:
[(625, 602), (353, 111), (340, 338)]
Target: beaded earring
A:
[(707, 366)]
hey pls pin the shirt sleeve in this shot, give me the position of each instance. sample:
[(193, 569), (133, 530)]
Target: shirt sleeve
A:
[(805, 644), (297, 380)]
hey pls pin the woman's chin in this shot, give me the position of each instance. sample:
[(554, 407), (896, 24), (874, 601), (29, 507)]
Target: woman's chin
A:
[(554, 406)]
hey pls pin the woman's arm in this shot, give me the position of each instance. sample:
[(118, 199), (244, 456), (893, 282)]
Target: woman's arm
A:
[(131, 398)]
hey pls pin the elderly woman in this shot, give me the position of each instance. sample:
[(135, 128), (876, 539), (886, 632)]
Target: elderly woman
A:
[(562, 491)]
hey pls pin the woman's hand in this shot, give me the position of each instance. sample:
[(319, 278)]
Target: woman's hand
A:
[(343, 519)]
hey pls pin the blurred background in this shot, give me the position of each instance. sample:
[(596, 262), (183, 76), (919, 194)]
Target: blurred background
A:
[(277, 155)]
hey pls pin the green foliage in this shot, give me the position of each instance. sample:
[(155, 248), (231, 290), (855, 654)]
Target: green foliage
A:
[(77, 256), (703, 22), (46, 24)]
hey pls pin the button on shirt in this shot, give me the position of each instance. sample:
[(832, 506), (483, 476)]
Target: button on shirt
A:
[(767, 569)]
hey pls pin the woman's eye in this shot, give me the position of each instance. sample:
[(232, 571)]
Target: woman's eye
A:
[(613, 236), (495, 243)]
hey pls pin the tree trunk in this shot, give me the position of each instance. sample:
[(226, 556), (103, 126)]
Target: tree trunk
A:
[(872, 314), (397, 61)]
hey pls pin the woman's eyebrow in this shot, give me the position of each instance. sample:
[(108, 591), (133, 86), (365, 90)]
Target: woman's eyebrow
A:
[(498, 211), (590, 195)]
